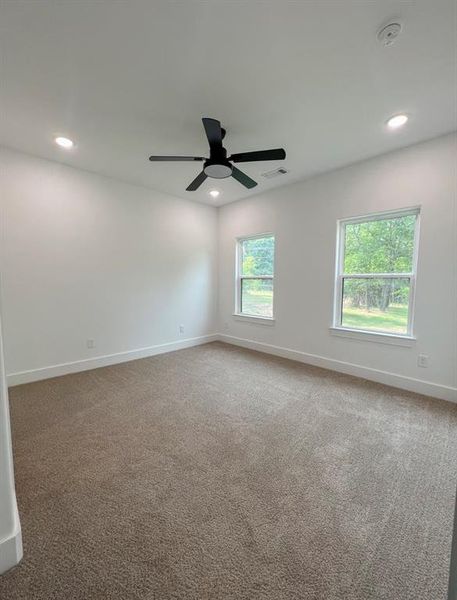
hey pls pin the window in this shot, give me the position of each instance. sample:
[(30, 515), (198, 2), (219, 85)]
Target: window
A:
[(255, 276), (376, 273)]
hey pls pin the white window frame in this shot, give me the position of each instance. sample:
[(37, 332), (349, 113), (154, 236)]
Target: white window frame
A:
[(239, 279), (340, 276)]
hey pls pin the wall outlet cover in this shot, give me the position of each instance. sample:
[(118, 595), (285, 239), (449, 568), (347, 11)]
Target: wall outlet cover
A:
[(423, 360)]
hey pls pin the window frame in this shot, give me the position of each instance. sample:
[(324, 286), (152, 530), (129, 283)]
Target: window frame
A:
[(340, 276), (239, 278)]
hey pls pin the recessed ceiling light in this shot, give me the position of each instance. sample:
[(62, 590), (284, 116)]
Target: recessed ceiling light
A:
[(214, 193), (397, 121), (64, 142)]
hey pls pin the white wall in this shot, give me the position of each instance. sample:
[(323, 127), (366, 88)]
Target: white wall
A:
[(303, 218), (88, 257), (10, 529)]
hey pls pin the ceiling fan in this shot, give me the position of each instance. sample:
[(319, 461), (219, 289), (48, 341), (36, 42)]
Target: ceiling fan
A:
[(218, 165)]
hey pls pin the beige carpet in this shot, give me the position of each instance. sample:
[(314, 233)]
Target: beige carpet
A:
[(220, 473)]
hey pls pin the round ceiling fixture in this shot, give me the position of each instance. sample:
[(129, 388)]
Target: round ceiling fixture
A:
[(214, 193), (218, 170), (64, 142), (397, 121), (389, 33)]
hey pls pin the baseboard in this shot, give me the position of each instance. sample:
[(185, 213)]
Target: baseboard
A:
[(106, 360), (11, 547), (411, 384), (419, 386)]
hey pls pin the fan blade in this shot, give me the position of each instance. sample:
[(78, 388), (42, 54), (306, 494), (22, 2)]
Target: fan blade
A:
[(196, 183), (275, 154), (243, 178), (164, 158), (213, 132)]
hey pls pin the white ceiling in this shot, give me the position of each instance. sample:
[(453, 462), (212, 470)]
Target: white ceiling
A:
[(126, 79)]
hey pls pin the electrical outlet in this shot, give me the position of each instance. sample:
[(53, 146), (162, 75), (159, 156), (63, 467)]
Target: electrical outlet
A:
[(181, 329), (226, 326), (423, 360), (91, 343)]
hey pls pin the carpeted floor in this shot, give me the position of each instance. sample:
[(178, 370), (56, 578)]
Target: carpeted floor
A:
[(224, 474)]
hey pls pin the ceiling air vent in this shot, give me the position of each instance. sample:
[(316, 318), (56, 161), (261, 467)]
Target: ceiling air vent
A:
[(275, 173)]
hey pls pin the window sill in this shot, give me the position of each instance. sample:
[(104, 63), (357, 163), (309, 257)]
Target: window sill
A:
[(254, 319), (372, 336)]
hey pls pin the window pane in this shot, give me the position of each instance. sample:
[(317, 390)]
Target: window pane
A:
[(257, 297), (376, 304), (257, 256), (384, 246)]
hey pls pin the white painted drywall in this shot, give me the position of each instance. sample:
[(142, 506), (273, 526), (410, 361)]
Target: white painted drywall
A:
[(87, 257), (10, 529), (303, 218)]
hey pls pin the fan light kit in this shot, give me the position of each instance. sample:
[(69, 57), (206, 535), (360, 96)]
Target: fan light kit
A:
[(64, 142), (214, 193), (218, 165), (397, 121)]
